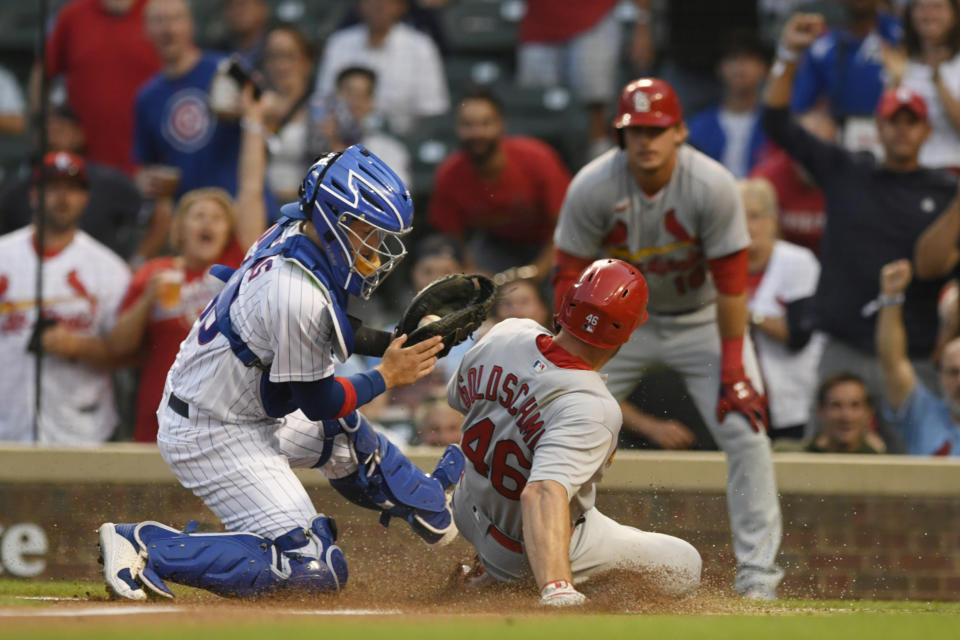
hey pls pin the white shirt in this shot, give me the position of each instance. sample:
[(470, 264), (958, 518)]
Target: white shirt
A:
[(11, 97), (942, 148), (737, 128), (790, 377), (410, 79), (83, 286), (285, 165)]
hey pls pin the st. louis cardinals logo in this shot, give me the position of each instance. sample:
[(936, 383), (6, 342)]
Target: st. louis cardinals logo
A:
[(641, 102), (187, 122), (680, 253)]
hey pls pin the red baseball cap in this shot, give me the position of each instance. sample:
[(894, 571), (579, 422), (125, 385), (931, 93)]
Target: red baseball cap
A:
[(63, 165), (893, 100)]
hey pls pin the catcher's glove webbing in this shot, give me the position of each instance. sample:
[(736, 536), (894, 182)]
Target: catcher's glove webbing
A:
[(461, 301)]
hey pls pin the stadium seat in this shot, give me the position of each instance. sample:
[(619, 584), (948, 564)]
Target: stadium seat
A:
[(433, 141), (463, 71), (483, 26), (552, 115)]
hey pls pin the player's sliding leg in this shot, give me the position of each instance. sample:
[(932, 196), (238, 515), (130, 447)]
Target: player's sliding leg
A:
[(670, 565), (228, 564), (371, 472)]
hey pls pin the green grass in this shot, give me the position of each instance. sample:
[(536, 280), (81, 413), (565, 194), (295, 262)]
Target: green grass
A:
[(11, 589), (783, 620)]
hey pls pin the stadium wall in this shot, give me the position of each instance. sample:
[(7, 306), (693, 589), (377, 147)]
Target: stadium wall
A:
[(854, 526)]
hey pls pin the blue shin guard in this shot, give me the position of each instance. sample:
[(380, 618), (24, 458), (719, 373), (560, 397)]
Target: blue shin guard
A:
[(242, 565), (386, 481)]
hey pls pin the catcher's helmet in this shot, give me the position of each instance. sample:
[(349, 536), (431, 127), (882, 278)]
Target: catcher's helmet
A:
[(343, 187), (606, 303), (647, 102)]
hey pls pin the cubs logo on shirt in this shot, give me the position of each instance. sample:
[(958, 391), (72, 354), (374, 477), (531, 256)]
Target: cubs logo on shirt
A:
[(187, 122)]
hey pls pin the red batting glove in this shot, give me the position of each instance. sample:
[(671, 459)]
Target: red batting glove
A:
[(736, 392), (739, 396)]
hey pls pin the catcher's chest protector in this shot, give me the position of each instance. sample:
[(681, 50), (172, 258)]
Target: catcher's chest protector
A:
[(281, 240)]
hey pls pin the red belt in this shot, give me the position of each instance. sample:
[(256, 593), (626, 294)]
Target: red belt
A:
[(516, 546), (505, 541)]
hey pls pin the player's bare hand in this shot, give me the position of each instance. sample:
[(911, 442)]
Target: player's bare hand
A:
[(671, 434), (405, 365), (801, 30), (895, 277), (60, 341)]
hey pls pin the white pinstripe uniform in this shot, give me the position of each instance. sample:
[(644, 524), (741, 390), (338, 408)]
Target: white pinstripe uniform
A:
[(696, 216), (229, 452), (82, 287), (532, 415)]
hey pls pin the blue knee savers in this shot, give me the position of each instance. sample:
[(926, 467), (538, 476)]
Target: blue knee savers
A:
[(242, 564)]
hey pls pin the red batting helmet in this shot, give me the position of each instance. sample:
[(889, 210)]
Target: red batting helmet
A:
[(648, 102), (606, 303)]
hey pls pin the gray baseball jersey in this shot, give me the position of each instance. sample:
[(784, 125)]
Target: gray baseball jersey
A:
[(696, 216), (533, 412)]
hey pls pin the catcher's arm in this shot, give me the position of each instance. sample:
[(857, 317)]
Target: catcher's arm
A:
[(367, 341)]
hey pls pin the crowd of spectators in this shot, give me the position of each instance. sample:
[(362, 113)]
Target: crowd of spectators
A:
[(168, 151)]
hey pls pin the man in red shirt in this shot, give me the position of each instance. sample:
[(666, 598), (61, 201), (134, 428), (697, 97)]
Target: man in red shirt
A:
[(100, 47), (500, 194)]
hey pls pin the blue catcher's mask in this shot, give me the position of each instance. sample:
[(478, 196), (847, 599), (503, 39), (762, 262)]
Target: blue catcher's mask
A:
[(360, 209)]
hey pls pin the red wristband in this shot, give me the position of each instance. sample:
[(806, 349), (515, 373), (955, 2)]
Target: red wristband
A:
[(731, 359)]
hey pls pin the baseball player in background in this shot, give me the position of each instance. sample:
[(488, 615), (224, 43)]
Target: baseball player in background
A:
[(252, 394), (539, 430), (676, 215)]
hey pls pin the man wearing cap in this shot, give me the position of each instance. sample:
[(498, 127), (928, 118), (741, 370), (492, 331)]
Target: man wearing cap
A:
[(112, 213), (83, 284), (676, 214), (875, 212)]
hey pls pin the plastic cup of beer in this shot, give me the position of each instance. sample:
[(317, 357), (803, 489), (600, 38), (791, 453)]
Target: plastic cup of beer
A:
[(168, 291), (167, 177)]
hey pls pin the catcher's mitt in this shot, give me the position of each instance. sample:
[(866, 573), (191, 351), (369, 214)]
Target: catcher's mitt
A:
[(462, 303)]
